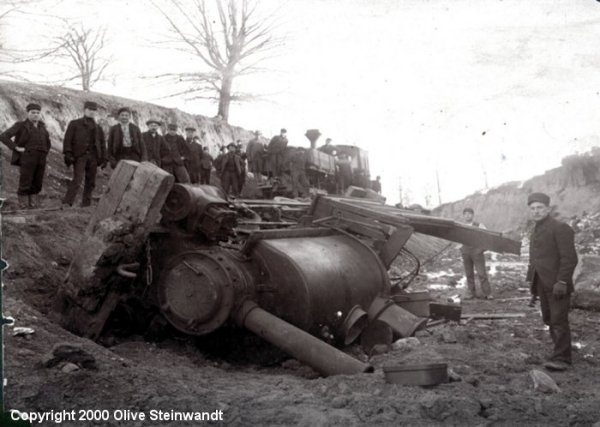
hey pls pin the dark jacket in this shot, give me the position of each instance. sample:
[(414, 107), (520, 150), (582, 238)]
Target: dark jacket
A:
[(115, 141), (177, 150), (552, 255), (76, 139), (192, 155), (21, 133), (207, 161), (156, 147), (277, 144), (231, 162)]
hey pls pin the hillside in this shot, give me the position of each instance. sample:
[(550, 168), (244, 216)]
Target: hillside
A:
[(574, 188), (60, 105)]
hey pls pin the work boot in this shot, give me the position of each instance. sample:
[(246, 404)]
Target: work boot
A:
[(556, 365), (468, 296), (23, 202)]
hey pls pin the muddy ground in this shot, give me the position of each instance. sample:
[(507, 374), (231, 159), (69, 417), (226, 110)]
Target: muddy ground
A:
[(254, 385)]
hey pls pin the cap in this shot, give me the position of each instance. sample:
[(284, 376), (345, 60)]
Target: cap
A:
[(172, 126), (123, 109), (283, 130), (149, 122), (538, 197), (231, 144), (190, 129), (465, 210), (33, 106), (90, 105)]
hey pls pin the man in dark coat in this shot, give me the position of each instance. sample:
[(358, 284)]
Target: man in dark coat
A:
[(231, 169), (343, 172), (276, 148), (552, 261), (156, 147), (85, 149), (205, 167), (173, 162), (255, 151), (474, 262), (30, 148), (125, 140), (376, 185), (328, 148), (192, 154)]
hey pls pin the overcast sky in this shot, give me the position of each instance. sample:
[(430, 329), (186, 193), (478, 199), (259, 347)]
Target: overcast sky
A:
[(474, 89)]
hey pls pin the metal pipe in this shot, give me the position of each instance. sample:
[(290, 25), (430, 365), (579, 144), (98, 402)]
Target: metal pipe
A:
[(123, 270), (301, 345), (403, 322)]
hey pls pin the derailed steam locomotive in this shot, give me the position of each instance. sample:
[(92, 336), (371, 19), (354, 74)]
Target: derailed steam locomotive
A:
[(187, 255)]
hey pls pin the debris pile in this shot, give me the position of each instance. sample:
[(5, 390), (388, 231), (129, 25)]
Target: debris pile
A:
[(587, 233)]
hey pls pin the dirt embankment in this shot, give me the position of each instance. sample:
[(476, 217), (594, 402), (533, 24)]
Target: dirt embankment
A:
[(574, 188), (61, 105)]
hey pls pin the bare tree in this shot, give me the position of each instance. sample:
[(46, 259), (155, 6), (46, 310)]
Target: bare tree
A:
[(232, 44), (84, 50), (12, 10)]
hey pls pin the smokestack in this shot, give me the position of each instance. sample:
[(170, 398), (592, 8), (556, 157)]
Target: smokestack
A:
[(313, 135)]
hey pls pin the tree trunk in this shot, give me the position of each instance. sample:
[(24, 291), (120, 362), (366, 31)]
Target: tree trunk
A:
[(225, 97), (85, 82)]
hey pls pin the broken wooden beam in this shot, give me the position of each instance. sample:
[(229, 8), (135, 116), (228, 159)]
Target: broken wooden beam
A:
[(492, 316)]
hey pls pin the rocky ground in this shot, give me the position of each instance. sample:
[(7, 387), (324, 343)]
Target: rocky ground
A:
[(491, 360)]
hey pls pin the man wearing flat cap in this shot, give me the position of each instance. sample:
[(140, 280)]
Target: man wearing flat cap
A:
[(125, 140), (174, 161), (231, 169), (84, 148), (192, 154), (552, 261), (276, 147), (255, 152), (474, 259), (156, 147), (30, 142)]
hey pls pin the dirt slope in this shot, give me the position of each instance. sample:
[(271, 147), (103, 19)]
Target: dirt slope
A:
[(574, 188)]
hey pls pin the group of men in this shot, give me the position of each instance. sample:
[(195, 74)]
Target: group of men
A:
[(552, 262), (84, 149)]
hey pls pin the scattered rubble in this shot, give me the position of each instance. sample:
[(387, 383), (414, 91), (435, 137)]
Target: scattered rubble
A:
[(71, 353)]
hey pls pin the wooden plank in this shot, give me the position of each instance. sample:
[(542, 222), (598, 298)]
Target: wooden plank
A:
[(149, 188), (394, 245), (117, 184), (492, 316), (434, 226)]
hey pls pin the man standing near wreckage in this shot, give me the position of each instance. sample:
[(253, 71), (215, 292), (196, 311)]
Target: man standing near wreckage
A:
[(173, 162), (474, 259), (231, 169), (275, 149), (192, 154), (30, 148), (125, 140), (552, 261), (155, 144), (84, 148)]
